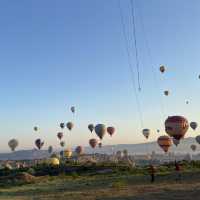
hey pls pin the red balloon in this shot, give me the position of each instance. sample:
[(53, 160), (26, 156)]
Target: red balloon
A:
[(111, 130), (93, 143), (60, 135), (176, 126)]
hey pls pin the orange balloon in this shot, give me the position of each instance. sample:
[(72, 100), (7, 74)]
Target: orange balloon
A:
[(164, 142)]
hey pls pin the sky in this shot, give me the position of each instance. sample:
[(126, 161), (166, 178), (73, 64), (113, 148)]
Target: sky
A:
[(58, 54)]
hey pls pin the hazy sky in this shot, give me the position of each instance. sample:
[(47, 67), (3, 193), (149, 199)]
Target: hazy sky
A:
[(54, 54)]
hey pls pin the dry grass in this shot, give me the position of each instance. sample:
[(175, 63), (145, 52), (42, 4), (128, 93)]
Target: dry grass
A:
[(106, 188)]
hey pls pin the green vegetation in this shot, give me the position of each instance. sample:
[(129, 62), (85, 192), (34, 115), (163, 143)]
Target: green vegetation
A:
[(98, 181)]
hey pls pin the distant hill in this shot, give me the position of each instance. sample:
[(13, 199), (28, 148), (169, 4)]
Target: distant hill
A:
[(184, 147), (24, 155), (143, 148)]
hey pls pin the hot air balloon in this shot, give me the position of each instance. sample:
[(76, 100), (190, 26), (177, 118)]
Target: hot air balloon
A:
[(39, 143), (125, 152), (35, 128), (50, 149), (176, 126), (111, 130), (79, 150), (198, 139), (55, 155), (73, 109), (162, 68), (54, 161), (193, 147), (93, 143), (68, 153), (166, 92), (176, 142), (193, 125), (62, 125), (100, 130), (91, 127), (146, 133), (164, 142), (70, 125), (62, 143), (187, 102), (199, 76), (61, 153), (119, 154), (7, 166), (60, 135), (13, 143), (100, 145)]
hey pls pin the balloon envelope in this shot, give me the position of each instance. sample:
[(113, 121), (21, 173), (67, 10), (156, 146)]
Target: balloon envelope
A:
[(193, 125), (100, 130), (62, 125), (70, 125), (93, 143), (62, 143), (100, 145), (39, 143), (125, 152), (162, 68), (73, 109), (176, 142), (50, 149), (60, 135), (54, 161), (91, 127), (79, 150), (68, 153), (176, 126), (193, 147), (166, 92), (198, 139), (164, 142), (35, 128), (146, 133), (111, 130), (13, 143)]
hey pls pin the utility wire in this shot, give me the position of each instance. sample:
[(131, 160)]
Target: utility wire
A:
[(135, 44), (130, 64), (152, 66)]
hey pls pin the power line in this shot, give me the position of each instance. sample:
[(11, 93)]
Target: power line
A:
[(130, 64), (152, 66), (135, 44)]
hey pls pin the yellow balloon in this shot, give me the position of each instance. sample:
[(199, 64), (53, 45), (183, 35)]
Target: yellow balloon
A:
[(54, 161), (68, 153)]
